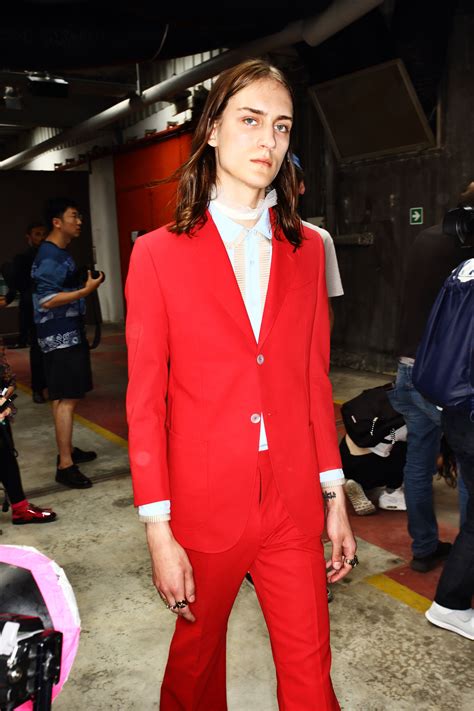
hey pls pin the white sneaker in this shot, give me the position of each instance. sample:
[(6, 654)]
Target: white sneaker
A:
[(393, 501), (375, 493), (355, 493), (459, 621)]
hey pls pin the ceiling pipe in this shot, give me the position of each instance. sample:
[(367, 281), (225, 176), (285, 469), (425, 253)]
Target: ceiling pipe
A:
[(314, 31), (337, 16)]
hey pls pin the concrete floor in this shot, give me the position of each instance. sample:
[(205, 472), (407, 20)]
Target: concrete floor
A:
[(386, 656)]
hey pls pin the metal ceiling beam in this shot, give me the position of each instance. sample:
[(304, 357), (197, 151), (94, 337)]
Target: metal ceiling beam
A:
[(59, 113), (314, 31), (77, 85)]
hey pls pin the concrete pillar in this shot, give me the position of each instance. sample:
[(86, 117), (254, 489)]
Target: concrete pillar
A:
[(105, 237)]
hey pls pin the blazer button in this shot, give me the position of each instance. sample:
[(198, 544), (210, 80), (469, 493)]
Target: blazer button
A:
[(255, 418), (260, 359)]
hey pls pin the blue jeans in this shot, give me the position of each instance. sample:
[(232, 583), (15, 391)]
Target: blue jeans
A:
[(456, 585), (423, 421)]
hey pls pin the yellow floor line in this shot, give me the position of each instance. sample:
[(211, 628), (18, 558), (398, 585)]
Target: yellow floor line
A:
[(106, 434), (399, 592)]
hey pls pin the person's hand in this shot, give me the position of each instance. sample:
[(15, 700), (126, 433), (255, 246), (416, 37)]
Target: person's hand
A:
[(91, 283), (3, 302), (340, 534), (172, 572), (7, 412)]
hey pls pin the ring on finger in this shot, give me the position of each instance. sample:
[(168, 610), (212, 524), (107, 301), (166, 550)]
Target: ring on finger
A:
[(179, 605), (353, 562)]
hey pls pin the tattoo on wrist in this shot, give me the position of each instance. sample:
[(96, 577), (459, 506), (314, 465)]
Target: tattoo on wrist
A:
[(328, 495)]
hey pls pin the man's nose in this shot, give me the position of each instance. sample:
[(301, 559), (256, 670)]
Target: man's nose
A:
[(267, 137)]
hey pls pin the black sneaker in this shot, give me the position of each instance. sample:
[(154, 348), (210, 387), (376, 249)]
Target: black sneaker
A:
[(425, 563), (79, 456), (73, 478)]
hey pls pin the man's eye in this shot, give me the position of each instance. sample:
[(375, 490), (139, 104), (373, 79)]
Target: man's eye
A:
[(282, 128), (250, 121)]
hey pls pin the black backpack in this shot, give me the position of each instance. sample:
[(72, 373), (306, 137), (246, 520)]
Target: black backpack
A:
[(369, 417), (444, 366)]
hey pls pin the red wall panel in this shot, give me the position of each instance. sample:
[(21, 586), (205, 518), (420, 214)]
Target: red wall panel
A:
[(142, 202)]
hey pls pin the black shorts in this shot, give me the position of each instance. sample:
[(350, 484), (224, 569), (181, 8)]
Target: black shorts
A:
[(68, 372)]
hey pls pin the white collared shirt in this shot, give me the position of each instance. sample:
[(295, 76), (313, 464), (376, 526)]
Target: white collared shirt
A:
[(250, 253)]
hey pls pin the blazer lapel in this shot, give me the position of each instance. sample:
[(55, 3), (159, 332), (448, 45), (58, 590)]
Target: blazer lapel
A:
[(217, 270), (281, 275)]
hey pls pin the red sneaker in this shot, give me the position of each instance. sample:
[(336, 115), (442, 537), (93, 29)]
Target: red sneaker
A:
[(32, 514)]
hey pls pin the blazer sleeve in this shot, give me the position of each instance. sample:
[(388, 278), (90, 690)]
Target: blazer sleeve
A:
[(148, 359), (321, 402)]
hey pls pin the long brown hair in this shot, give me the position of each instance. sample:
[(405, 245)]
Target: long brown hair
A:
[(197, 176)]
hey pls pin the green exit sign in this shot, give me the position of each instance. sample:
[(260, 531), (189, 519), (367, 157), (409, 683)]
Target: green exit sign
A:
[(416, 215)]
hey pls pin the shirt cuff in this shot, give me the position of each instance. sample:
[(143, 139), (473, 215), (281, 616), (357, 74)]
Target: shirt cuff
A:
[(332, 477), (155, 512)]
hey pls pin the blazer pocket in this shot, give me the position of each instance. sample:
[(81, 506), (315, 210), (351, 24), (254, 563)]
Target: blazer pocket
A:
[(188, 474)]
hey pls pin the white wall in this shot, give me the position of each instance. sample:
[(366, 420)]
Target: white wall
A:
[(105, 237)]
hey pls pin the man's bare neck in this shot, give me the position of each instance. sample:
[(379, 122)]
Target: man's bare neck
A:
[(58, 239)]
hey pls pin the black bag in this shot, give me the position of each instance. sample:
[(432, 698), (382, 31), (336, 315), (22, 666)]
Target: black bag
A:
[(369, 417)]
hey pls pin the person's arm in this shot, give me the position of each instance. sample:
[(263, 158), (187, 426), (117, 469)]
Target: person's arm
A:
[(322, 416), (148, 362), (6, 413), (66, 297), (8, 298)]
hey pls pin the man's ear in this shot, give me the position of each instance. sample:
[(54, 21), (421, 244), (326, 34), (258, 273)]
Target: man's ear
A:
[(212, 140)]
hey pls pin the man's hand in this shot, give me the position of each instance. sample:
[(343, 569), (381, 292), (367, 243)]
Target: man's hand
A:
[(91, 283), (6, 413), (3, 302), (172, 572), (340, 534)]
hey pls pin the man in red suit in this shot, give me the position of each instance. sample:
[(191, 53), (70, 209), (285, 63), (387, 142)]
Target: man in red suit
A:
[(233, 444)]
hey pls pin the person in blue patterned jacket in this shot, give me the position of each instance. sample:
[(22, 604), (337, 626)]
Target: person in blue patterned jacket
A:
[(59, 308)]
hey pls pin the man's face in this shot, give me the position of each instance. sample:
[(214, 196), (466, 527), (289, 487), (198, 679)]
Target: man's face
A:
[(70, 223), (251, 139), (36, 236)]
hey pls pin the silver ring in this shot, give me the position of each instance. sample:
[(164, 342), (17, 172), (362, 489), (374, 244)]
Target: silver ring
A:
[(353, 562), (178, 605)]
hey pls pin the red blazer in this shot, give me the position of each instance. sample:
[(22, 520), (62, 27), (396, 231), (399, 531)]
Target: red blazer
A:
[(195, 382)]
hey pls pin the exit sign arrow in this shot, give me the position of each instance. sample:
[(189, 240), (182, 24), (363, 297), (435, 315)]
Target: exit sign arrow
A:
[(416, 215)]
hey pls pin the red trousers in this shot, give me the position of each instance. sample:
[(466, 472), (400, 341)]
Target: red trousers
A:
[(289, 574)]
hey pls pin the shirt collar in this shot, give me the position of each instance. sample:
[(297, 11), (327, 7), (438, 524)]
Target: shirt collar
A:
[(230, 230)]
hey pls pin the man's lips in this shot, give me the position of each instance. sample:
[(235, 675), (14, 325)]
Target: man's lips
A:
[(262, 161)]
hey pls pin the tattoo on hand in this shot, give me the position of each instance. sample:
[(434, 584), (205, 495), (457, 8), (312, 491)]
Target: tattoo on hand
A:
[(328, 495)]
